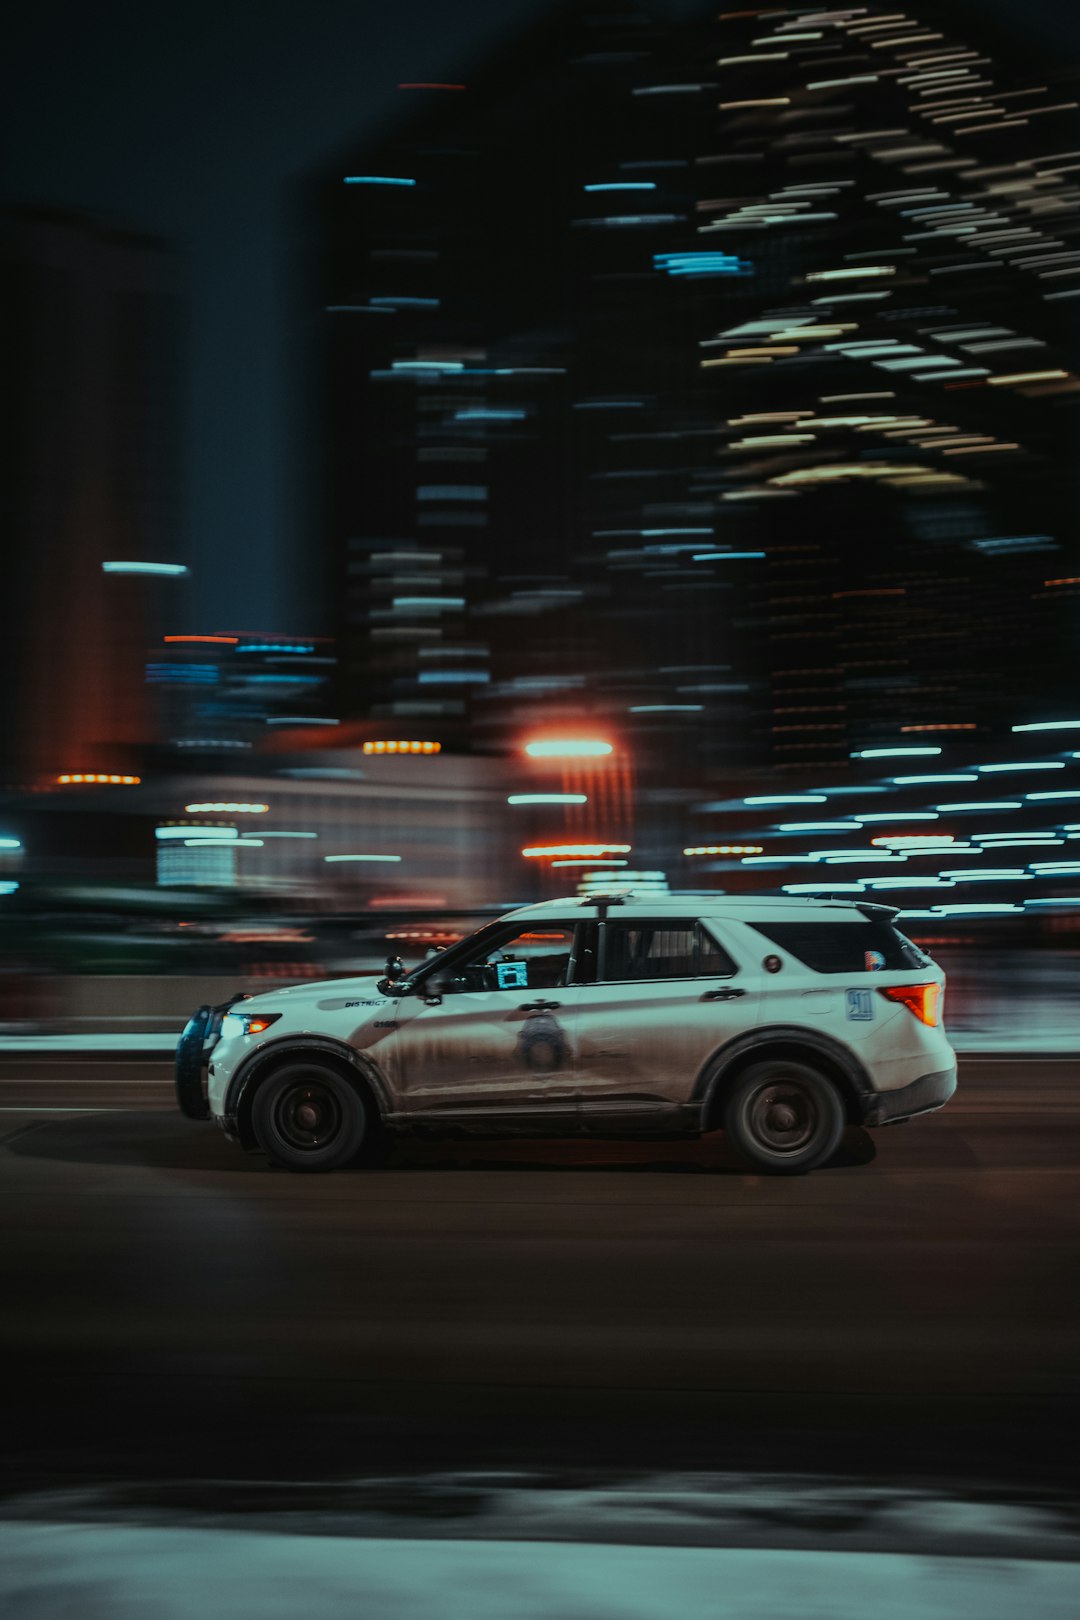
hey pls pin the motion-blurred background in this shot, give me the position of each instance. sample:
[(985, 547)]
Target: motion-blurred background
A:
[(644, 455)]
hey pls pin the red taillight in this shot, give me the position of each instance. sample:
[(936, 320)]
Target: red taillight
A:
[(924, 1000)]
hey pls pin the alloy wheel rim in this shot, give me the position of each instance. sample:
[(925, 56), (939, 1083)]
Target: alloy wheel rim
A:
[(784, 1116), (308, 1115)]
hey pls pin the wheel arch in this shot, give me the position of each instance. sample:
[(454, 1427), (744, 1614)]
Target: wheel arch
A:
[(834, 1061), (361, 1074)]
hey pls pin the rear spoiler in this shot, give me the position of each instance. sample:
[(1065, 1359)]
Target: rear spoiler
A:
[(877, 913)]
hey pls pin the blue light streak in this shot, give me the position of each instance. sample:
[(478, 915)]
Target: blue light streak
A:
[(822, 888), (454, 677), (816, 826), (166, 570), (198, 830), (897, 815), (377, 180), (888, 753), (547, 798), (182, 674), (909, 781), (787, 798), (1019, 542), (702, 263), (490, 413), (1025, 765), (286, 680), (623, 185), (976, 804)]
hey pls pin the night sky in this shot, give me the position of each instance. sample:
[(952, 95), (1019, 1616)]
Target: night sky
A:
[(188, 122)]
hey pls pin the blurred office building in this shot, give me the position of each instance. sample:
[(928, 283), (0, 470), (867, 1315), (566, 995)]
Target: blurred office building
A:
[(709, 383), (92, 454), (221, 695)]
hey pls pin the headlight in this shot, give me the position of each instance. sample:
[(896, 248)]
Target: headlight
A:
[(234, 1025)]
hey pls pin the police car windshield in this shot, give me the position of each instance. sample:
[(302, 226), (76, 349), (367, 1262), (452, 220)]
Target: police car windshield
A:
[(453, 953)]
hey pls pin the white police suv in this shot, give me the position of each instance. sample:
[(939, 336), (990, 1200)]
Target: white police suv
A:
[(779, 1021)]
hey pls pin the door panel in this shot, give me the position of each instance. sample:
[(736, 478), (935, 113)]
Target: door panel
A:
[(642, 1039), (497, 1050)]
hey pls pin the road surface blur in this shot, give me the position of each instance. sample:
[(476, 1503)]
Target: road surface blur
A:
[(174, 1308)]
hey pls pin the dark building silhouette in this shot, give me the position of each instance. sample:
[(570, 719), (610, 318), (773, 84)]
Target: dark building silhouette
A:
[(92, 453)]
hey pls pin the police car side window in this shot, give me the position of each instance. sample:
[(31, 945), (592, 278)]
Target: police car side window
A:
[(537, 957), (643, 950), (845, 947)]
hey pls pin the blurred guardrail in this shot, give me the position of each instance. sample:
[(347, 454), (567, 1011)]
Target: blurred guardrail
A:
[(138, 1004)]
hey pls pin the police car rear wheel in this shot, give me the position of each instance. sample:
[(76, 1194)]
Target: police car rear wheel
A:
[(784, 1118), (308, 1117)]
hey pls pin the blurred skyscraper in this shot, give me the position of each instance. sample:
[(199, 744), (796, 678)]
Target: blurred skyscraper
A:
[(92, 457), (709, 383)]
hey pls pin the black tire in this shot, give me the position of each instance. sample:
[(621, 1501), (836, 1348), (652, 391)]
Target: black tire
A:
[(784, 1118), (307, 1116)]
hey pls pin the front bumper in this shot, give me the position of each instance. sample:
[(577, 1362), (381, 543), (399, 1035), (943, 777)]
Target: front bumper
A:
[(922, 1096), (190, 1065), (200, 1035)]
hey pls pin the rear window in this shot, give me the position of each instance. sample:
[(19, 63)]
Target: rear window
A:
[(662, 949), (845, 947)]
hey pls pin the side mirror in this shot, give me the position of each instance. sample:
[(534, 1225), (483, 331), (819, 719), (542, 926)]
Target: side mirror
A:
[(394, 987)]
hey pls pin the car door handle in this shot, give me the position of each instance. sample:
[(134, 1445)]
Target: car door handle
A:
[(539, 1006), (728, 993)]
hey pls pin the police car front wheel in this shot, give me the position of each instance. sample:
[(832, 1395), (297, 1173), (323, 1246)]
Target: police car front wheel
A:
[(308, 1117), (783, 1117)]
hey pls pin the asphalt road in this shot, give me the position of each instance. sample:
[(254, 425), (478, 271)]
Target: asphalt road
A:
[(172, 1307)]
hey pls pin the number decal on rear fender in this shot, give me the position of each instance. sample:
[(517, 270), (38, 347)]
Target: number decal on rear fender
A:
[(860, 1004)]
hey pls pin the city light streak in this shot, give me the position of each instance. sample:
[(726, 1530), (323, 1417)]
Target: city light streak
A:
[(723, 849), (192, 830), (547, 798), (568, 748), (97, 779), (543, 852), (165, 570), (379, 858), (228, 807)]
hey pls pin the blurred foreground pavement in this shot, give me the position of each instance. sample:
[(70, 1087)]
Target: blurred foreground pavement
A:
[(586, 1568), (588, 1380)]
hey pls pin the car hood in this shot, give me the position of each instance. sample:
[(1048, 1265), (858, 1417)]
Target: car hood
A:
[(360, 989)]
